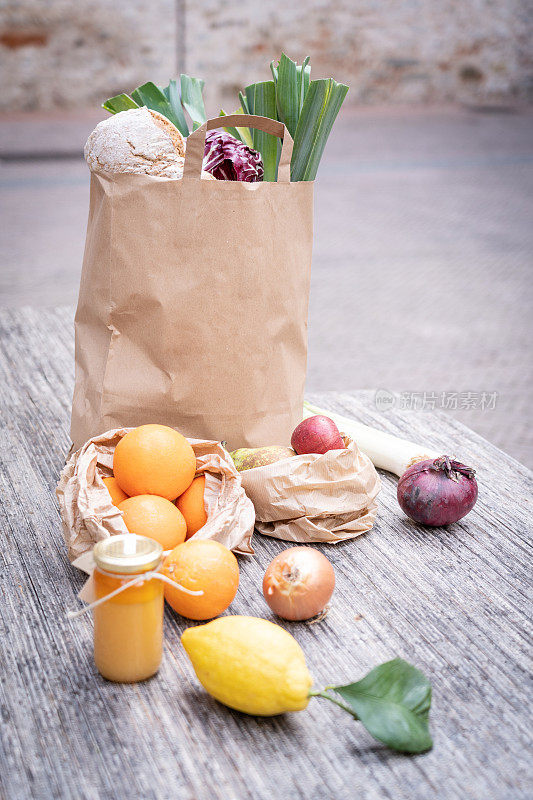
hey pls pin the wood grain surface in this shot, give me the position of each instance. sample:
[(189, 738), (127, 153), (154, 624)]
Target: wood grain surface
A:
[(455, 602)]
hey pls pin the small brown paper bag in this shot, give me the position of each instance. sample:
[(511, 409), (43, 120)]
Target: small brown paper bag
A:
[(87, 514), (313, 497)]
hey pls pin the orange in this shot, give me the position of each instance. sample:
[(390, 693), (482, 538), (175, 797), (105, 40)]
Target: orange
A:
[(117, 495), (156, 517), (191, 505), (154, 459), (203, 564)]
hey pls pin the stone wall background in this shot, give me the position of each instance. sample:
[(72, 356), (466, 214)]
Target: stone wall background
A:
[(61, 53)]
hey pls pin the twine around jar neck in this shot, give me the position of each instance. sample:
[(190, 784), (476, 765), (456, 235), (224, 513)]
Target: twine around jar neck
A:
[(135, 581)]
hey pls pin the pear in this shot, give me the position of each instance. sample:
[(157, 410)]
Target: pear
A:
[(250, 457)]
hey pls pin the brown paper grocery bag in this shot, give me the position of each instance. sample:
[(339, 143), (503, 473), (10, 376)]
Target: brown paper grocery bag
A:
[(327, 497), (192, 308), (88, 515)]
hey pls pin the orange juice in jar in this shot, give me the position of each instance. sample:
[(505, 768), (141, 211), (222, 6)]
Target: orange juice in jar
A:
[(128, 628)]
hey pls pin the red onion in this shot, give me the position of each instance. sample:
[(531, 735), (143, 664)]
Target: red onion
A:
[(316, 434), (437, 492)]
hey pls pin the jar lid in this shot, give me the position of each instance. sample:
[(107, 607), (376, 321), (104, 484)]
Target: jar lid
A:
[(127, 553)]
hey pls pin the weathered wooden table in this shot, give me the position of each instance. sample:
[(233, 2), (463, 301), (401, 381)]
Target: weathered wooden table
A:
[(454, 602)]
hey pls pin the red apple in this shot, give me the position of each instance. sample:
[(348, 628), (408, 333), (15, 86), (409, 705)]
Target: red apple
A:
[(316, 435)]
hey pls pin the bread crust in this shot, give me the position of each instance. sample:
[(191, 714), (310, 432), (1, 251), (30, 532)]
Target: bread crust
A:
[(166, 125)]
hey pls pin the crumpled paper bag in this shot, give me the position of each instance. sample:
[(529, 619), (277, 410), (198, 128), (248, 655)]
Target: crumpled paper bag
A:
[(87, 514), (314, 497)]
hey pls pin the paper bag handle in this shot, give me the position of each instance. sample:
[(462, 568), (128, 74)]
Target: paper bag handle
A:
[(194, 152)]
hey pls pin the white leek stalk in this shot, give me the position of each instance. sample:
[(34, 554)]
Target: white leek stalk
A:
[(384, 450)]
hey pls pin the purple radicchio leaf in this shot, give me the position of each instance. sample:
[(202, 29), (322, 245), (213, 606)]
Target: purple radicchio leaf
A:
[(227, 159)]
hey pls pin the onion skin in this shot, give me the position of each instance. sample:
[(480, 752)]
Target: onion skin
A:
[(298, 583), (316, 434), (437, 492)]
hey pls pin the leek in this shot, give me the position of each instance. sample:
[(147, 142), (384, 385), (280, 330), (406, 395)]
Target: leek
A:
[(171, 101), (307, 108)]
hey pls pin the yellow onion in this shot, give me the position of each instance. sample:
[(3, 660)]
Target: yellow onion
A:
[(298, 583)]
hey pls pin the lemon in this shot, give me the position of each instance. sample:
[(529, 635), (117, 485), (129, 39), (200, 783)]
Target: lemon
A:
[(249, 664)]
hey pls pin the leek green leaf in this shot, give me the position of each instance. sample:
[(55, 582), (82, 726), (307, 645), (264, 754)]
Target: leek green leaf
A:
[(304, 78), (320, 108), (246, 110), (192, 100), (240, 133), (172, 93), (288, 93), (153, 97), (244, 103), (261, 100), (167, 100), (232, 131), (248, 100), (274, 71), (121, 102), (245, 133)]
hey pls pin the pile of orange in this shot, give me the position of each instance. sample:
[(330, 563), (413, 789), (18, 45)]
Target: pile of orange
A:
[(155, 487)]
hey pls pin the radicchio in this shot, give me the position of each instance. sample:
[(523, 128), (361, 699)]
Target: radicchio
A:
[(228, 159)]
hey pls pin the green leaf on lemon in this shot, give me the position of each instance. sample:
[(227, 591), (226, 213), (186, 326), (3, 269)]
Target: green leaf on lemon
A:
[(393, 703)]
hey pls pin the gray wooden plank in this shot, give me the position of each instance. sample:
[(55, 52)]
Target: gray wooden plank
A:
[(456, 602)]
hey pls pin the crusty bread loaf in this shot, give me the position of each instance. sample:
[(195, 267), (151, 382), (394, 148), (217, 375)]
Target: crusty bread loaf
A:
[(137, 141)]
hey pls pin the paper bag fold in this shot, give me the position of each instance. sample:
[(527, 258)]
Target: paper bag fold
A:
[(313, 497)]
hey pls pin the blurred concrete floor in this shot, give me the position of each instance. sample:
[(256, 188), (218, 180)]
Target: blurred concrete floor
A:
[(421, 280)]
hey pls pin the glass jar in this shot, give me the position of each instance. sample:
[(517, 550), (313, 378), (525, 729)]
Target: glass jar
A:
[(128, 628)]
